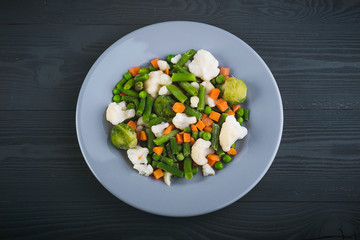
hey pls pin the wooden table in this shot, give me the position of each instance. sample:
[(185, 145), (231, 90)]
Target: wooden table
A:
[(312, 190)]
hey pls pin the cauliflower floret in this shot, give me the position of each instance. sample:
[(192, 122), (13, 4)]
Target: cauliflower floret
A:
[(204, 65), (159, 129), (194, 101), (163, 65), (167, 178), (231, 131), (209, 101), (140, 122), (181, 120), (164, 91), (200, 150), (195, 85), (117, 112), (138, 156), (208, 86), (155, 81), (144, 169), (207, 170), (175, 59)]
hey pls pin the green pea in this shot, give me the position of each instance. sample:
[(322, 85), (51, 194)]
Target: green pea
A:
[(226, 158), (117, 98), (240, 112), (187, 130), (152, 116), (156, 157), (207, 136), (220, 79), (127, 76), (143, 94), (218, 165), (240, 119), (180, 157), (207, 110), (116, 91)]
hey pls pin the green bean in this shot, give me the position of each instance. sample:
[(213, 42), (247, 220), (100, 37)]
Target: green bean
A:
[(141, 77), (180, 69), (164, 152), (148, 108), (131, 99), (175, 171), (201, 104), (195, 170), (233, 145), (143, 94), (220, 152), (212, 81), (116, 91), (130, 92), (166, 137), (121, 83), (129, 84), (152, 116), (195, 135), (168, 59), (169, 151), (192, 112), (177, 93), (190, 89), (240, 112), (180, 157), (139, 86), (130, 106), (154, 164), (186, 149), (246, 114), (149, 159), (185, 57), (156, 121), (188, 168), (187, 130), (140, 109), (175, 165), (151, 68), (127, 76), (144, 70), (173, 145), (181, 77), (156, 156), (222, 118), (180, 147), (201, 134), (116, 98), (215, 132), (150, 137)]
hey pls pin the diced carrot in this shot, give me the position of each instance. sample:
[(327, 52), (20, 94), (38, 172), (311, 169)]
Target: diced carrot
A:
[(200, 125), (158, 173), (226, 78), (179, 138), (214, 116), (232, 151), (167, 71), (158, 150), (208, 129), (169, 129), (214, 93), (194, 128), (138, 135), (143, 136), (204, 116), (181, 133), (178, 107), (132, 124), (235, 108), (224, 71), (213, 157), (221, 104), (195, 164), (123, 94), (192, 141), (211, 162), (207, 121), (231, 113), (134, 71), (154, 62), (186, 137)]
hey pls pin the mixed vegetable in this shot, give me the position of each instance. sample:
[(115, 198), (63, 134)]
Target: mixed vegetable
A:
[(177, 115)]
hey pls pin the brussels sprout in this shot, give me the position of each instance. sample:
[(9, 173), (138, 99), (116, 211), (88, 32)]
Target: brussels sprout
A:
[(234, 91), (163, 106), (123, 136)]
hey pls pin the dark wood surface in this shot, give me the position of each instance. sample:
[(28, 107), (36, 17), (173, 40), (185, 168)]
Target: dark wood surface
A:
[(312, 190)]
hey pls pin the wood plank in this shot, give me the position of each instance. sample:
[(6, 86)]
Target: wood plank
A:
[(43, 67), (318, 159), (242, 220), (215, 12)]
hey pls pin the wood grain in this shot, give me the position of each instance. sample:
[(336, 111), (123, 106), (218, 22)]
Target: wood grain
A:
[(51, 62)]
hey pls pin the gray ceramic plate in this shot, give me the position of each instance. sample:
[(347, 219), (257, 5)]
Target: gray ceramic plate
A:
[(199, 195)]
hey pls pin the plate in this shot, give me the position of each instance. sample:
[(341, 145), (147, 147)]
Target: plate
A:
[(199, 195)]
